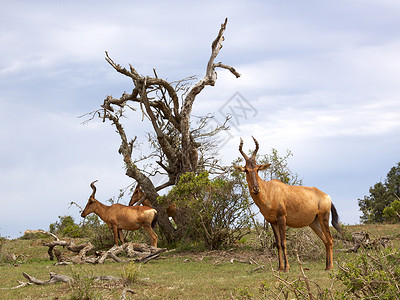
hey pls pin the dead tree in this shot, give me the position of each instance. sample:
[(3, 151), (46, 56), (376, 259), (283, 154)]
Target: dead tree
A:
[(177, 147)]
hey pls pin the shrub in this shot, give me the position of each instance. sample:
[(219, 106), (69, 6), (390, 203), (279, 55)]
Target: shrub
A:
[(66, 227), (372, 275), (215, 210)]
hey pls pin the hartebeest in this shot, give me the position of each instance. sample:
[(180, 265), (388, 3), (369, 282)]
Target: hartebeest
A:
[(118, 217), (137, 196), (294, 206)]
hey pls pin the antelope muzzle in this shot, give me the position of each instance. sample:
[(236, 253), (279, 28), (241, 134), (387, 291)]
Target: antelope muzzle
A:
[(256, 189)]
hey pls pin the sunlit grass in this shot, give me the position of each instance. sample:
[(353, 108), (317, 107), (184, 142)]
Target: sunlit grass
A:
[(200, 275)]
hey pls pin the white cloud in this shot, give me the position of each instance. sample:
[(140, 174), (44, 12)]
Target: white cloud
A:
[(323, 78), (49, 161)]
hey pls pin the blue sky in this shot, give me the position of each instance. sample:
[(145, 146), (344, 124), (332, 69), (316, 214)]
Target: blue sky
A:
[(321, 79)]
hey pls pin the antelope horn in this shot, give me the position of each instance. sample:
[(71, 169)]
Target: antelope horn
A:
[(241, 150), (93, 188), (257, 146)]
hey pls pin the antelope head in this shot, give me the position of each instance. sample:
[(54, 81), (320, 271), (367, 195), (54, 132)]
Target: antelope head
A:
[(251, 168), (91, 205), (136, 196)]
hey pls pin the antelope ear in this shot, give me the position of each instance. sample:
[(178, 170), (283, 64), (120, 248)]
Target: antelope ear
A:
[(239, 168), (263, 167)]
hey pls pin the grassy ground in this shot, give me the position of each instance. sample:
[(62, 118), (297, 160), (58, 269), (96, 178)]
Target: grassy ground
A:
[(188, 275)]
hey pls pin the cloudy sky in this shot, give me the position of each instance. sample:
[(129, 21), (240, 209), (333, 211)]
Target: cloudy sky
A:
[(320, 78)]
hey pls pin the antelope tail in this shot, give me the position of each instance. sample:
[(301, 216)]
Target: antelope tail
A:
[(335, 219), (155, 217)]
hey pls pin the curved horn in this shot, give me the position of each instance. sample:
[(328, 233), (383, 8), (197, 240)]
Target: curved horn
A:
[(241, 150), (257, 146), (93, 188)]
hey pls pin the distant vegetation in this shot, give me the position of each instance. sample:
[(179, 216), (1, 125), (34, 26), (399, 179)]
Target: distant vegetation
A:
[(383, 202)]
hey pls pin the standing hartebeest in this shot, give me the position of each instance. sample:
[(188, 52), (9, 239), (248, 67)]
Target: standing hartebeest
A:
[(137, 196), (295, 206), (136, 199), (118, 217)]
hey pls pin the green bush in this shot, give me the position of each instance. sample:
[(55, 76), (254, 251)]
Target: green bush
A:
[(66, 227), (391, 213), (372, 275), (215, 210)]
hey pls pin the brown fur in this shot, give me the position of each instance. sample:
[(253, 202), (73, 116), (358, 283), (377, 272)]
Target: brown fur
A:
[(120, 217), (294, 206), (138, 194)]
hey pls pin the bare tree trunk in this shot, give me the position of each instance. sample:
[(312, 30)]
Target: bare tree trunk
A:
[(174, 142)]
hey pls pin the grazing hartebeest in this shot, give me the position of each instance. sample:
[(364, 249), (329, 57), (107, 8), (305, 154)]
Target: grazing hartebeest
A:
[(295, 206), (138, 194), (118, 217)]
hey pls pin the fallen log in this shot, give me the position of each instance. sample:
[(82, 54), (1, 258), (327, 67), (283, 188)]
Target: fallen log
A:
[(53, 244), (135, 251), (54, 278), (21, 284), (151, 256), (57, 243), (59, 256), (112, 253), (82, 249)]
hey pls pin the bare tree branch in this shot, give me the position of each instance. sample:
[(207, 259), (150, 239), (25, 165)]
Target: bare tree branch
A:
[(233, 71), (209, 79), (176, 148)]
